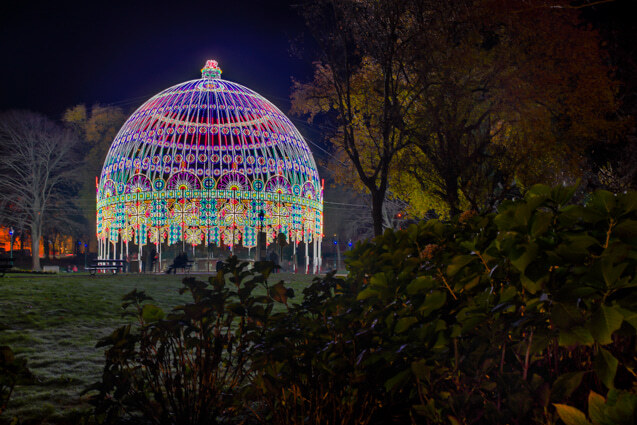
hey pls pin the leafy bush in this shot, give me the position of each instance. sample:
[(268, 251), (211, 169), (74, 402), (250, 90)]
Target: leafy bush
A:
[(306, 364), (522, 316), (527, 315), (12, 370), (185, 367)]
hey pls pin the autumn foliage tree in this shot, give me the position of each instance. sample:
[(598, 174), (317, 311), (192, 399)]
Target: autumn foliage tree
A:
[(513, 90), (97, 126), (361, 83), (457, 100)]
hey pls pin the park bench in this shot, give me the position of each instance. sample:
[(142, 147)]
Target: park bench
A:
[(186, 267), (5, 265), (106, 265)]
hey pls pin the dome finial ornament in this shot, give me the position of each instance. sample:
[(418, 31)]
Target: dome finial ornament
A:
[(211, 70)]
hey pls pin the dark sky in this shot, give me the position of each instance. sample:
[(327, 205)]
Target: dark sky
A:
[(57, 54)]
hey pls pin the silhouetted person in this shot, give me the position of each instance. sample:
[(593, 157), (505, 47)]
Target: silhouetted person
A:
[(144, 260), (151, 260), (180, 262), (275, 259)]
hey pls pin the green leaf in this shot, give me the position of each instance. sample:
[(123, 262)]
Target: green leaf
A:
[(605, 365), (279, 293), (367, 293), (472, 283), (506, 219), (524, 259), (596, 404), (531, 285), (432, 302), (397, 381), (508, 293), (580, 242), (539, 190), (611, 274), (604, 322), (421, 284), (565, 385), (456, 331), (576, 336), (628, 202), (152, 313), (562, 194), (566, 315), (541, 223), (458, 262), (453, 421), (441, 342), (420, 369), (629, 316), (378, 281), (627, 229), (620, 407), (571, 415), (404, 323), (602, 201)]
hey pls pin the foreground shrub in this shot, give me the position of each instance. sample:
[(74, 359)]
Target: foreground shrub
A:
[(185, 367), (524, 316), (307, 364), (12, 370), (509, 317)]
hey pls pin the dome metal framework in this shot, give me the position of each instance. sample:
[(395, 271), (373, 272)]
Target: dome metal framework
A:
[(208, 161)]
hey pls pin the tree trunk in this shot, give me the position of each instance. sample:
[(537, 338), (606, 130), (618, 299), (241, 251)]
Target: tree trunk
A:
[(35, 247), (452, 195), (47, 248), (377, 211)]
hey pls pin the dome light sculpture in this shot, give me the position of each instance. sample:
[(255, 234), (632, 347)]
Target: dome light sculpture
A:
[(208, 161)]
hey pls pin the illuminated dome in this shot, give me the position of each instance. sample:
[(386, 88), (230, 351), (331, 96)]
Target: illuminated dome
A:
[(208, 161)]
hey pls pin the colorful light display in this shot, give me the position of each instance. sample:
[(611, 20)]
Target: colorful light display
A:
[(208, 161)]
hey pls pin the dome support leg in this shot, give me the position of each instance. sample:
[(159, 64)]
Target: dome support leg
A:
[(307, 258), (294, 255), (316, 255), (159, 249), (320, 256)]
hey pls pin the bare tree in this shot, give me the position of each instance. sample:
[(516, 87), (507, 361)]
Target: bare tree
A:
[(36, 172)]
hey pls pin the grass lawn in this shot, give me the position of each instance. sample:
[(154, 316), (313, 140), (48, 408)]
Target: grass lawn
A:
[(55, 321)]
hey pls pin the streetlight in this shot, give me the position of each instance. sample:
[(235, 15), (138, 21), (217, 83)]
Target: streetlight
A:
[(338, 252)]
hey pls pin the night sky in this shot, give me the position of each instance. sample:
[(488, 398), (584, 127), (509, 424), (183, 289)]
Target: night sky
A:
[(59, 54)]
